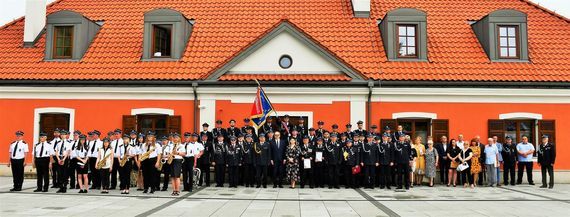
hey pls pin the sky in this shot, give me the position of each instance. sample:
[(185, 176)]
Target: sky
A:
[(13, 9)]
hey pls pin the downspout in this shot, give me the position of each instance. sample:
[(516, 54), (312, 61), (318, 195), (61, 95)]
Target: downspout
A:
[(369, 103), (196, 106)]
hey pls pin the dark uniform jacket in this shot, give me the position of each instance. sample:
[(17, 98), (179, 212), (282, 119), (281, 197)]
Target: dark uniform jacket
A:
[(247, 153), (402, 152), (546, 154), (333, 154), (219, 151), (301, 129), (369, 154), (352, 156), (360, 132), (385, 153), (307, 152), (266, 128), (233, 131), (262, 154), (509, 153), (206, 157), (321, 149), (210, 135), (218, 131), (320, 132), (234, 155), (397, 135)]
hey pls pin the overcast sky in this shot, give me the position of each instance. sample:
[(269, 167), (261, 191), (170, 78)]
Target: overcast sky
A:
[(12, 9)]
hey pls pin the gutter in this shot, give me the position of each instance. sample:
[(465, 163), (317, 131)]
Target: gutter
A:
[(196, 106), (369, 103)]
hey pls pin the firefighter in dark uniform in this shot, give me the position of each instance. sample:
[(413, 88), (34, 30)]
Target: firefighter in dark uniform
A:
[(320, 131), (349, 133), (301, 128), (335, 129), (333, 159), (312, 136), (351, 159), (358, 143), (509, 154), (219, 149), (233, 161), (307, 152), (233, 130), (247, 161), (402, 159), (343, 139), (262, 159), (267, 127), (204, 160), (400, 131), (295, 135), (546, 158), (360, 130), (386, 153), (207, 132), (369, 161), (42, 151), (218, 130), (319, 165), (18, 152), (248, 129)]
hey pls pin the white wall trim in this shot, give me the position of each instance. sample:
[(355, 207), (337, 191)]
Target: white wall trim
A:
[(358, 110), (106, 93), (309, 115), (51, 110), (162, 111), (208, 111), (520, 115), (404, 115)]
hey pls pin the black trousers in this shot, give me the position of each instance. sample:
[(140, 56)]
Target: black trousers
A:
[(149, 173), (550, 169), (220, 173), (248, 174), (278, 173), (205, 176), (17, 166), (55, 173), (307, 177), (62, 174), (385, 176), (509, 170), (482, 174), (233, 175), (114, 173), (261, 175), (403, 175), (94, 175), (466, 176), (71, 172), (125, 175), (369, 176), (522, 166), (319, 174), (42, 169), (443, 171), (349, 178), (334, 173), (166, 175), (105, 178), (188, 173)]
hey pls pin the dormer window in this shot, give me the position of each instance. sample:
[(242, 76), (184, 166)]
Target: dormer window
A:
[(166, 34), (407, 37), (63, 42), (503, 35), (162, 40), (68, 36), (404, 34), (508, 42)]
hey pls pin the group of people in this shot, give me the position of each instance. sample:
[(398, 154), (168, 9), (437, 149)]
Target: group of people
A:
[(312, 157)]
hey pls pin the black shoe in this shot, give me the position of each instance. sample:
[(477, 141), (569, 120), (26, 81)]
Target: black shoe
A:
[(13, 189), (92, 188), (551, 187), (45, 190), (163, 189), (113, 188), (399, 188), (274, 186), (152, 191), (311, 187), (280, 186), (59, 191), (388, 188), (532, 183), (145, 191), (265, 186), (259, 186), (140, 189), (543, 186), (38, 190)]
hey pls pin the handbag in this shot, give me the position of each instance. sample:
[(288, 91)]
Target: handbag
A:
[(355, 170), (463, 166)]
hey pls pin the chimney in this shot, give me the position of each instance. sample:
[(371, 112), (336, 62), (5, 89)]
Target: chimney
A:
[(361, 8), (35, 21)]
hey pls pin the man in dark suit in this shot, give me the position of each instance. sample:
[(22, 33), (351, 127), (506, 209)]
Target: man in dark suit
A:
[(233, 130), (278, 146), (546, 159), (441, 148), (220, 131)]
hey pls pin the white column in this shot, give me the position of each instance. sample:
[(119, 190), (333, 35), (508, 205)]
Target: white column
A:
[(357, 110), (207, 110)]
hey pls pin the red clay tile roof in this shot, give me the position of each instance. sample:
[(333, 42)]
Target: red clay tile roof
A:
[(292, 77), (225, 27)]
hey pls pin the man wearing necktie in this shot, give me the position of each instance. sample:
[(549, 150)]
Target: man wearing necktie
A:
[(278, 154), (41, 162), (18, 152), (117, 133)]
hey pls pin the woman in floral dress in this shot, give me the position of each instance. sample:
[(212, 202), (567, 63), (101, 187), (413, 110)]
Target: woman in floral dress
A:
[(475, 164), (292, 154)]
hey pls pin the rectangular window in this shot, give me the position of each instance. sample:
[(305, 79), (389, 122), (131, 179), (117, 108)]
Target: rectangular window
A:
[(508, 42), (516, 129), (63, 42), (161, 40), (407, 41)]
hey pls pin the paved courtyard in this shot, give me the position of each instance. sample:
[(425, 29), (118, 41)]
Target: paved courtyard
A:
[(522, 200)]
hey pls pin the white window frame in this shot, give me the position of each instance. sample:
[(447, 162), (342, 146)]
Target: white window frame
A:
[(408, 115), (146, 111), (52, 110), (309, 115)]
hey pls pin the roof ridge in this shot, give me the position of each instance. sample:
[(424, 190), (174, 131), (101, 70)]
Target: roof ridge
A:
[(551, 12), (22, 17)]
